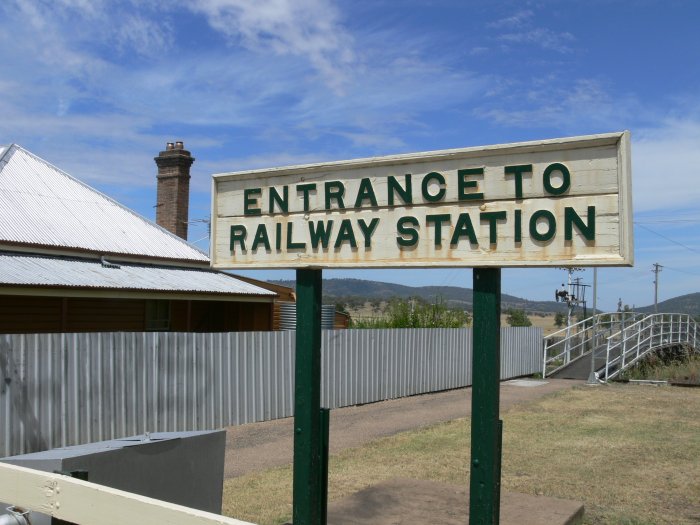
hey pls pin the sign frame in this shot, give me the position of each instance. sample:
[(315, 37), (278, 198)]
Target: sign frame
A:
[(615, 193)]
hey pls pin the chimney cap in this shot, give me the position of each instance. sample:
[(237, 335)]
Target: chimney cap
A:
[(174, 150)]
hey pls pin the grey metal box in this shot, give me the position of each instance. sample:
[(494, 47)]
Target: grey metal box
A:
[(186, 468)]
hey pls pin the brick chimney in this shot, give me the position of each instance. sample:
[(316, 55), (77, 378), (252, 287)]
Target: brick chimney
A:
[(173, 188)]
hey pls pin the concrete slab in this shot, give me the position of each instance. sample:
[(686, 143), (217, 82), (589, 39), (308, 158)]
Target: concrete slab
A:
[(526, 382), (410, 501)]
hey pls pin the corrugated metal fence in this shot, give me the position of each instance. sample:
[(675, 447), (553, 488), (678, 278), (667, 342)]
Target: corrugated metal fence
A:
[(65, 389)]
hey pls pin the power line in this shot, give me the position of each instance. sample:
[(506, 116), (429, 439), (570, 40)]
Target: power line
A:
[(658, 221), (667, 238), (681, 271)]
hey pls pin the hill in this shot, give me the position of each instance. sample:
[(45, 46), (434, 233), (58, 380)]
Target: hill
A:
[(683, 304), (349, 290)]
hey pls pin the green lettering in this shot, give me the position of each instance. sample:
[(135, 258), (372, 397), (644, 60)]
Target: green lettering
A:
[(290, 244), (305, 189), (492, 217), (278, 236), (368, 230), (548, 217), (518, 226), (405, 193), (463, 184), (571, 218), (402, 226), (250, 199), (345, 233), (281, 201), (335, 191), (547, 176), (238, 234), (320, 232), (437, 220), (518, 172), (261, 237), (366, 191), (464, 227), (433, 176)]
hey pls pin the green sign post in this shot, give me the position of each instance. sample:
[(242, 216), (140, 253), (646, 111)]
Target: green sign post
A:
[(485, 480), (308, 490)]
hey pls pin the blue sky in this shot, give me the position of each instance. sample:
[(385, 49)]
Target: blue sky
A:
[(98, 87)]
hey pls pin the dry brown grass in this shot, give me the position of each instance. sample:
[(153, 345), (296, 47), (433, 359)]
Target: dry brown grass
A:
[(630, 453)]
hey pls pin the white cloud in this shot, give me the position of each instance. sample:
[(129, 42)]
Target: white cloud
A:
[(144, 36), (520, 28), (307, 28), (544, 38), (80, 98), (516, 20), (551, 102), (665, 162)]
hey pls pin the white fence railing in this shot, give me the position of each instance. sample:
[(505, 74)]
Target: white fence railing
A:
[(66, 389), (570, 343), (621, 338), (627, 346)]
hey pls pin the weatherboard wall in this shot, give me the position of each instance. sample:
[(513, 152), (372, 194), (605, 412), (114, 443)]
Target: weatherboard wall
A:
[(43, 313)]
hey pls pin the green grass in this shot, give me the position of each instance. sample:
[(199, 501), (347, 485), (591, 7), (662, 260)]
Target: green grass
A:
[(678, 369), (630, 453)]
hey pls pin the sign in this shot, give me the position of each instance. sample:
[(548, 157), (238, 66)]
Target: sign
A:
[(561, 202)]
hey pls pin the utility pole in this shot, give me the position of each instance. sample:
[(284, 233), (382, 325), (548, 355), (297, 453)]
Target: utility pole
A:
[(568, 296), (595, 290), (579, 293), (592, 379), (569, 311), (656, 271)]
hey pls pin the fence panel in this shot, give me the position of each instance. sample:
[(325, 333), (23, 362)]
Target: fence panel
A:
[(65, 389)]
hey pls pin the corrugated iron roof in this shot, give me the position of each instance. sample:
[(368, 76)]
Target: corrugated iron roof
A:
[(36, 270), (42, 205)]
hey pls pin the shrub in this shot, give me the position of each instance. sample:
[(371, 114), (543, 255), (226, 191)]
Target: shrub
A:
[(517, 317), (415, 313)]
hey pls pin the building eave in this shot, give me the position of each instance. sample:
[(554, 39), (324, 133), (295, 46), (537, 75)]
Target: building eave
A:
[(108, 293)]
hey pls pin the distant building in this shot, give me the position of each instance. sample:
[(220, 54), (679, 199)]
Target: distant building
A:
[(75, 260)]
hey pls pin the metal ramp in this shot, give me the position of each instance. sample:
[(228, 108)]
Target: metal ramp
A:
[(617, 340)]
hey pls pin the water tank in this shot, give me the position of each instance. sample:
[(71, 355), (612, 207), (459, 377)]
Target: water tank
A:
[(288, 316)]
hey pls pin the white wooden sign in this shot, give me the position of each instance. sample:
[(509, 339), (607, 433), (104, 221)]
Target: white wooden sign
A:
[(561, 202)]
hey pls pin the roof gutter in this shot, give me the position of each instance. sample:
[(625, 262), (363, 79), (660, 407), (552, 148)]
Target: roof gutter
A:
[(121, 293), (64, 251)]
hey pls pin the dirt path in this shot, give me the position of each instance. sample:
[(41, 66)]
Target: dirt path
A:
[(259, 446)]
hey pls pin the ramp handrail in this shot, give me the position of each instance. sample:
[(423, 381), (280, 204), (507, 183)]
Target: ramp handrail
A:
[(572, 342), (627, 346), (624, 338)]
